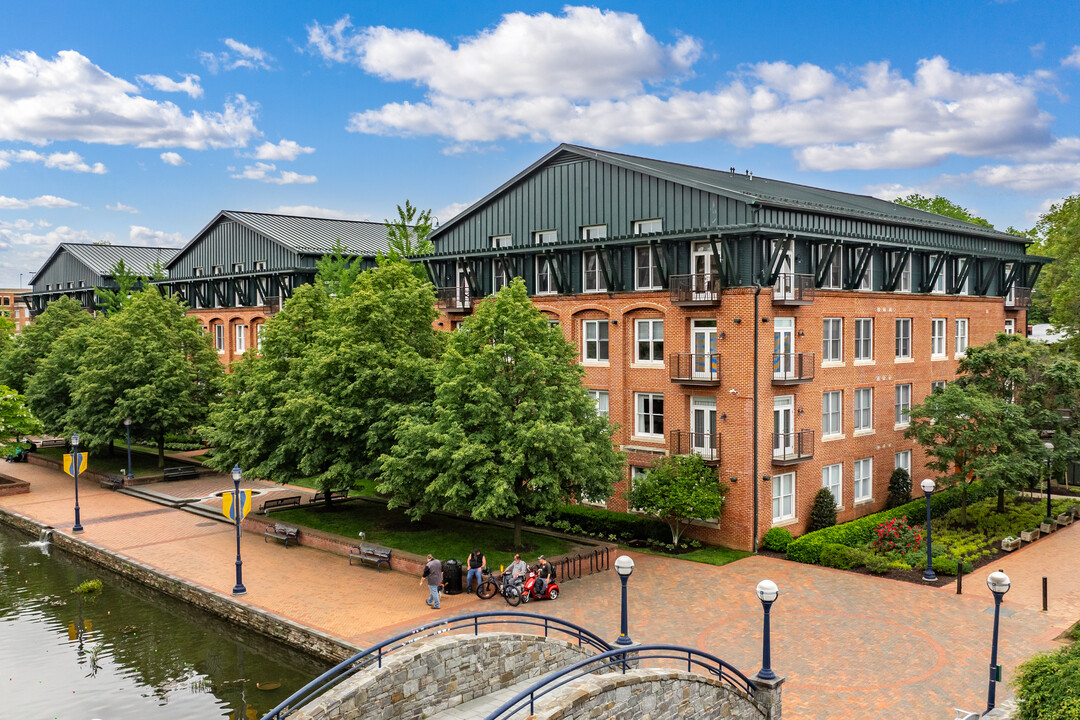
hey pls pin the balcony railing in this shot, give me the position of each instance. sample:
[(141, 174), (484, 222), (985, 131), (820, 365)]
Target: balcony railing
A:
[(705, 445), (694, 368), (793, 447), (793, 289), (1019, 298), (453, 299), (792, 368), (695, 289)]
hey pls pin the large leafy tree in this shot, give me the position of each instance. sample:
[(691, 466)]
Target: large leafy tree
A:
[(15, 418), (1057, 291), (678, 490), (942, 206), (20, 359), (407, 235), (511, 432), (49, 391)]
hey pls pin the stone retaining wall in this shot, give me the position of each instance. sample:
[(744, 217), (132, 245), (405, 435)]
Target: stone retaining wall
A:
[(12, 486), (91, 476), (439, 673)]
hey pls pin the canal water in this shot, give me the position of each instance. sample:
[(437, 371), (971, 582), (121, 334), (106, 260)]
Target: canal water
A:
[(125, 652)]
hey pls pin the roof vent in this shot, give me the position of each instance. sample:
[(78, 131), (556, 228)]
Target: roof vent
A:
[(732, 169)]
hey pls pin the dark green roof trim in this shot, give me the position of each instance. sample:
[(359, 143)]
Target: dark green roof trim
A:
[(101, 258)]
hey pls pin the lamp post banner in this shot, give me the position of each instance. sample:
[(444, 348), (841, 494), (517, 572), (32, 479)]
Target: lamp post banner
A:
[(228, 505), (79, 466)]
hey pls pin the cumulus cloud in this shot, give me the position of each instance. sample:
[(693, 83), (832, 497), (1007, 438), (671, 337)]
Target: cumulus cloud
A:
[(265, 172), (174, 159), (70, 98), (284, 150), (140, 235), (69, 161), (43, 242), (891, 191), (45, 201), (319, 212), (1073, 59), (121, 207), (447, 212), (238, 55), (189, 85), (1028, 177)]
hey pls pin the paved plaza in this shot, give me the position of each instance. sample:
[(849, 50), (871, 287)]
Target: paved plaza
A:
[(850, 646)]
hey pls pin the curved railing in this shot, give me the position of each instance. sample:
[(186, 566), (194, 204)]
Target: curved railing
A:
[(376, 653), (622, 657)]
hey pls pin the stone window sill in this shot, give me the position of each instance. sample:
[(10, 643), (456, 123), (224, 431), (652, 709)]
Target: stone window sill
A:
[(863, 363), (833, 438), (899, 361), (785, 523), (863, 433)]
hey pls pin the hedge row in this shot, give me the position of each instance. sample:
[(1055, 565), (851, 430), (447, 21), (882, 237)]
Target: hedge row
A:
[(625, 526), (807, 548)]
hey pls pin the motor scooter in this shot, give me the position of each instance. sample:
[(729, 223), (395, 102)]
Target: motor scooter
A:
[(551, 590)]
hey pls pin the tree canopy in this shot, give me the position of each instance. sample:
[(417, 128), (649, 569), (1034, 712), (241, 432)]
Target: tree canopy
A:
[(942, 206), (21, 357), (679, 489), (15, 418), (1057, 291), (407, 235)]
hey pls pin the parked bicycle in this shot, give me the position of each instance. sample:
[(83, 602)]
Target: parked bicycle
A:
[(509, 588)]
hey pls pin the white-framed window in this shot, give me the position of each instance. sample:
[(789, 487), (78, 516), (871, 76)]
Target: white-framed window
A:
[(260, 264), (834, 278), (71, 285), (636, 473), (600, 397), (1010, 296), (832, 480), (939, 282), (241, 339), (593, 232), (649, 411), (864, 409), (545, 279), (863, 479), (646, 272), (961, 336), (219, 269), (546, 237), (903, 404), (938, 385), (903, 338), (238, 267), (832, 340), (501, 270), (219, 337), (48, 286), (644, 227), (902, 459), (593, 280), (595, 336), (198, 271), (1010, 326), (937, 337), (864, 338), (650, 341), (783, 497), (257, 331), (82, 283), (904, 284), (867, 282), (832, 403)]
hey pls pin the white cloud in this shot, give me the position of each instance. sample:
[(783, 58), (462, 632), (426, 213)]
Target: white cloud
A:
[(891, 191), (447, 212), (1033, 215), (174, 159), (140, 235), (189, 85), (238, 55), (1073, 59), (264, 172), (41, 243), (1028, 177), (284, 150), (319, 212), (70, 98), (69, 161), (1037, 49), (46, 201), (121, 207)]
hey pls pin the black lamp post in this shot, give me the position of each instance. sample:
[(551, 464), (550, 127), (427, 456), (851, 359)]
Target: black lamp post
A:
[(127, 426), (239, 588), (928, 490), (767, 592), (1049, 460), (77, 527), (624, 566), (999, 583)]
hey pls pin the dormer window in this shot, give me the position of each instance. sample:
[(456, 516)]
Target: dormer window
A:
[(546, 237), (645, 227)]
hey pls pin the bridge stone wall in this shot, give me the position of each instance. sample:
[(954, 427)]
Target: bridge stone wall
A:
[(653, 694), (438, 673)]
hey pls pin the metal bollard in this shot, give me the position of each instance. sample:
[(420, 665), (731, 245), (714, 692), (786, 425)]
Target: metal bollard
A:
[(960, 576), (1044, 593)]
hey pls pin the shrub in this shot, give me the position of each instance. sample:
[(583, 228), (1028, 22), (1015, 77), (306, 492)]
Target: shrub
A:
[(87, 586), (823, 511), (584, 520), (1048, 686), (842, 557), (777, 539), (895, 536), (944, 565), (899, 489), (877, 564)]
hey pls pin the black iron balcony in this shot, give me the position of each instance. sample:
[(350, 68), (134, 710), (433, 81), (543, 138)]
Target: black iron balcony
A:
[(1021, 298), (694, 368), (453, 299), (695, 289), (792, 368), (793, 447), (793, 289), (705, 445)]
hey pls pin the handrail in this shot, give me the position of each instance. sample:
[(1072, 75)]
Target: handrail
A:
[(622, 656), (375, 653)]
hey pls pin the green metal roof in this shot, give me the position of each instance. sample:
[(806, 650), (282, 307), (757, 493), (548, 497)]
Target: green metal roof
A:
[(102, 258)]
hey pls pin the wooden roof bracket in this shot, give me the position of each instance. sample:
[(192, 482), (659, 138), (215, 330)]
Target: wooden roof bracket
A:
[(932, 271), (962, 273), (780, 249), (896, 270), (984, 278), (859, 271)]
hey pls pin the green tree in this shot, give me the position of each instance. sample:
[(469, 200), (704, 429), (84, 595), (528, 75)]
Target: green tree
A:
[(336, 272), (969, 434), (407, 235), (822, 511), (15, 418), (942, 206), (511, 431), (678, 489), (1057, 291), (21, 357), (127, 282), (49, 391), (899, 488)]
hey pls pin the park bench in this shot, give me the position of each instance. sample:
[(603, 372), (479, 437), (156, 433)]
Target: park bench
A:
[(282, 532), (280, 502), (182, 472), (113, 482), (335, 496), (369, 552), (50, 443)]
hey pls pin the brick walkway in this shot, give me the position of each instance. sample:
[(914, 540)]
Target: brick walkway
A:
[(851, 646)]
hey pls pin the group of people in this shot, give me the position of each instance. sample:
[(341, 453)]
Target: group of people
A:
[(517, 571)]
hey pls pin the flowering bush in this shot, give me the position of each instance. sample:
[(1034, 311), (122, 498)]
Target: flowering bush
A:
[(895, 536)]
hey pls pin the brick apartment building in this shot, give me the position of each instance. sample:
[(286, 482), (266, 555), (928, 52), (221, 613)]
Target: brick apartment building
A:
[(780, 331), (13, 308)]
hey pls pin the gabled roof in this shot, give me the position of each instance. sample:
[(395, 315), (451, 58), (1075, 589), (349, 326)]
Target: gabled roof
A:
[(305, 235), (101, 258), (754, 191)]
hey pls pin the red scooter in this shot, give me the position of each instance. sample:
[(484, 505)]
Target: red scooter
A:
[(551, 590)]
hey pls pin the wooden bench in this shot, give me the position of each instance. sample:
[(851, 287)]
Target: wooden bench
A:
[(182, 472), (113, 482), (50, 443), (280, 502), (368, 552), (282, 532), (335, 496)]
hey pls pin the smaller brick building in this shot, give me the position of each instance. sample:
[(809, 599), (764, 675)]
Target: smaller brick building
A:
[(13, 308)]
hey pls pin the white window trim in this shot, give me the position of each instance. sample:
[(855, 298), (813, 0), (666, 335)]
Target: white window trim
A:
[(838, 494), (864, 322), (869, 480), (967, 335), (239, 339), (777, 480), (651, 322), (544, 260), (898, 405), (897, 324), (654, 273), (601, 281), (837, 412), (639, 224), (1010, 326), (540, 237), (943, 323), (827, 361), (219, 338), (855, 411), (585, 342), (596, 395), (586, 228), (639, 416)]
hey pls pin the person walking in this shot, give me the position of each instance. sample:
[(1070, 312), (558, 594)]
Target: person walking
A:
[(433, 578), (477, 565)]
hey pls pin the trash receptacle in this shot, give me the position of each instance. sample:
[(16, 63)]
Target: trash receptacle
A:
[(451, 575)]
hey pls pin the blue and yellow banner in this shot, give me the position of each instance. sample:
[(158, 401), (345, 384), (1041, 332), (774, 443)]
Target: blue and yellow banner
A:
[(228, 504), (70, 469)]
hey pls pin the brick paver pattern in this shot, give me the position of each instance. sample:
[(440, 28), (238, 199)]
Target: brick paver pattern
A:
[(850, 646)]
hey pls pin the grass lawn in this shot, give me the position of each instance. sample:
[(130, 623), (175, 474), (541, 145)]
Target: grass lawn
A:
[(444, 537), (710, 554), (142, 464), (362, 487), (121, 451)]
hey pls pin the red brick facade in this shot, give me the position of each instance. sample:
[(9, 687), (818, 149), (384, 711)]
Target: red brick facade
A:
[(13, 308), (228, 342)]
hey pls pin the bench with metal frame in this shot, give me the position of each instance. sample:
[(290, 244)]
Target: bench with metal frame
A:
[(335, 496), (282, 532), (113, 482), (181, 472), (280, 502), (369, 552), (49, 443)]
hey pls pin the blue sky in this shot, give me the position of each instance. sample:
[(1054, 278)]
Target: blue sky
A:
[(137, 122)]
